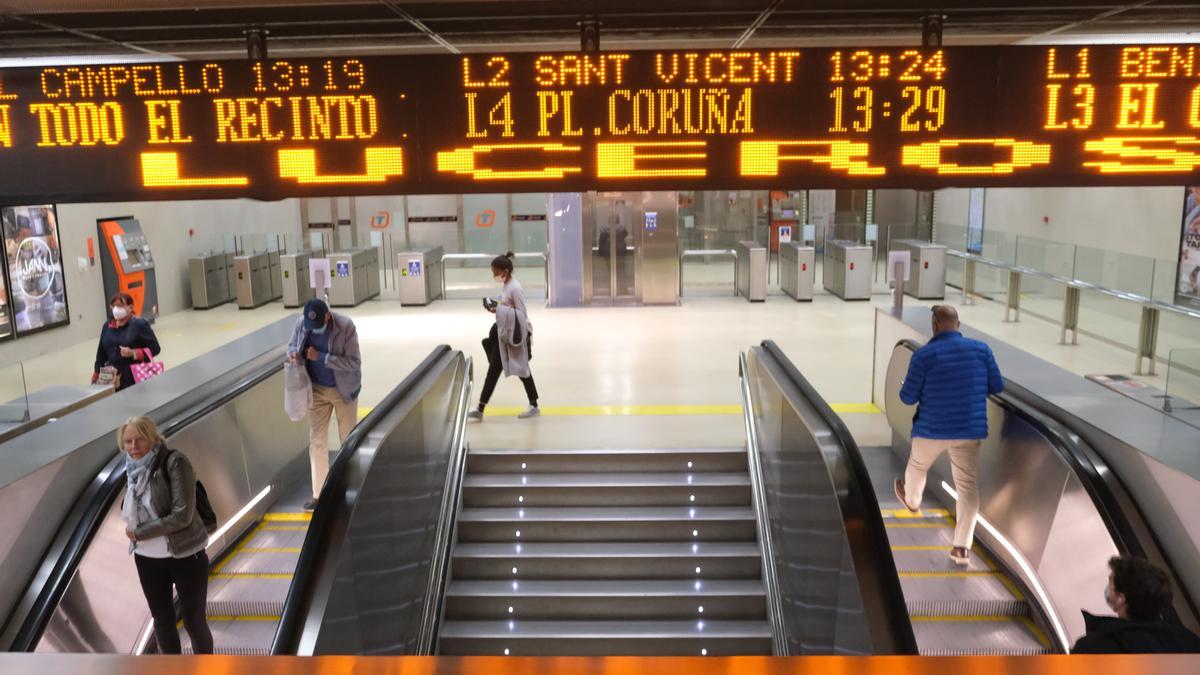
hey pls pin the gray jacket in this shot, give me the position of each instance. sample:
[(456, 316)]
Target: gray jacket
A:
[(173, 493), (344, 357), (511, 323)]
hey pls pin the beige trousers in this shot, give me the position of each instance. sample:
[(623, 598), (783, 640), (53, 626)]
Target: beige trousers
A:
[(326, 402), (964, 460)]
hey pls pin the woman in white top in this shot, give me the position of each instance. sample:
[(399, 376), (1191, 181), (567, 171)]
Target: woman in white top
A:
[(512, 296)]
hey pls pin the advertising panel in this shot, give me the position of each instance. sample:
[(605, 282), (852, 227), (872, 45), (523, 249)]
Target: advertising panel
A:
[(33, 260), (1187, 290)]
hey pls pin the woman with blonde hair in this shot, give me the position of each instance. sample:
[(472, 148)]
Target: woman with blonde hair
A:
[(167, 536)]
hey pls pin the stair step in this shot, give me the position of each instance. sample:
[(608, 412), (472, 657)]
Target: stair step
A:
[(657, 523), (605, 638), (616, 560), (605, 460), (607, 489), (593, 600), (970, 636)]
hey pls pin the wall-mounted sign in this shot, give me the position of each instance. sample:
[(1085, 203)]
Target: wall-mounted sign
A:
[(381, 220), (485, 218), (650, 220), (36, 291), (785, 234), (754, 119)]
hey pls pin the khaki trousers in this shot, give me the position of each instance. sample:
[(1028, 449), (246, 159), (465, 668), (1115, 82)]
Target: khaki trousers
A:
[(326, 402), (964, 461)]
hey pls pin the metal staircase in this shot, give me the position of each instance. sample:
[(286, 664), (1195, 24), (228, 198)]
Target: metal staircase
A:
[(606, 552)]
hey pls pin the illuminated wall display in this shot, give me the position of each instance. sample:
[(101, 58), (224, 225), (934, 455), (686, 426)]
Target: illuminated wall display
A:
[(748, 119)]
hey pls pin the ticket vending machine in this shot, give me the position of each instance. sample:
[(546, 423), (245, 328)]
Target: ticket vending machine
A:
[(127, 264)]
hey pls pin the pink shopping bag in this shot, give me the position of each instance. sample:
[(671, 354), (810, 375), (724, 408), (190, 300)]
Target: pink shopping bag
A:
[(145, 370)]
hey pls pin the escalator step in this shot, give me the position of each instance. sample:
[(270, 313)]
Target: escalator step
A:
[(961, 594), (979, 635)]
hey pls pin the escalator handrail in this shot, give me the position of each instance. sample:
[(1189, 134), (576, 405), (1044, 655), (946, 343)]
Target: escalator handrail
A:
[(779, 643), (104, 490), (890, 593), (444, 537), (299, 597), (1096, 476)]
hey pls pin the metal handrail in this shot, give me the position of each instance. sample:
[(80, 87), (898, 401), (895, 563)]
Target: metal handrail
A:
[(1075, 283), (447, 522), (770, 582), (705, 252), (545, 258)]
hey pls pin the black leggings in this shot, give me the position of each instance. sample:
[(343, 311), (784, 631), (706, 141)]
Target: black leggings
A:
[(496, 368), (189, 576)]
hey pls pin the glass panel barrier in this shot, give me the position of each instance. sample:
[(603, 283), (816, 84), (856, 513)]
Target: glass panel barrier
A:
[(1108, 318), (14, 401), (1183, 378)]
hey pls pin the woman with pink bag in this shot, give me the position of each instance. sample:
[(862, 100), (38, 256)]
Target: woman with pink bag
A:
[(125, 342)]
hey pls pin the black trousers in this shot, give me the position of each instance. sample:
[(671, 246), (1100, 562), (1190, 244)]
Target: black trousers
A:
[(188, 576), (496, 368)]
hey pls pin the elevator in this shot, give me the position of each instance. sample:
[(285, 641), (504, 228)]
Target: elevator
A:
[(630, 248)]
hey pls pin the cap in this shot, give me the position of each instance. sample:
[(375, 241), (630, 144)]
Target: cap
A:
[(315, 311)]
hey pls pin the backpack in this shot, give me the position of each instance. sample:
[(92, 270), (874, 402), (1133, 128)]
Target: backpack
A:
[(203, 506)]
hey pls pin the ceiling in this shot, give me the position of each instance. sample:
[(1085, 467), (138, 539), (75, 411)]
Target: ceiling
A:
[(196, 29)]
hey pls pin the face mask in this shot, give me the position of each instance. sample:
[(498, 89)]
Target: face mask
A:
[(320, 331), (119, 313), (1108, 600), (499, 279)]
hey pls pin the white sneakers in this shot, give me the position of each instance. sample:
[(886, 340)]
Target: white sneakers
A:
[(476, 415)]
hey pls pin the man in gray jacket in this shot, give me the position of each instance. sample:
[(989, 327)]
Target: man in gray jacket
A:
[(327, 343)]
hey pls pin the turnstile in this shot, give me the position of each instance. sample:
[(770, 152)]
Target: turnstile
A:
[(355, 276), (209, 277), (797, 270), (254, 287), (751, 270), (274, 271), (297, 287), (420, 275), (846, 271), (927, 269)]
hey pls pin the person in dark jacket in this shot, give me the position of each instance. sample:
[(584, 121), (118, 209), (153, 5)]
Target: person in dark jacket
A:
[(124, 341), (1140, 593), (949, 380), (166, 535)]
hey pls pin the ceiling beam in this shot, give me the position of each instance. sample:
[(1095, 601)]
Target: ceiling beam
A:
[(85, 35), (1102, 15), (417, 23), (757, 23)]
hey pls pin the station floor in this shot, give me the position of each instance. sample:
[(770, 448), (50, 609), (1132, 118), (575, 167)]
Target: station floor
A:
[(651, 376)]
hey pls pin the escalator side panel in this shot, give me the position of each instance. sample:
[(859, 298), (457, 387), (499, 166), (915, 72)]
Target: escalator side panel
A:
[(362, 584), (1033, 498)]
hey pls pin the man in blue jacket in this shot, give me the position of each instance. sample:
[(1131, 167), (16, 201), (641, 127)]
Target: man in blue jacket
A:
[(949, 380)]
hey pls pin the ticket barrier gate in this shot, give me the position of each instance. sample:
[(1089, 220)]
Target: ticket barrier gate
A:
[(797, 270), (751, 270), (927, 274), (354, 276), (847, 269), (254, 286), (294, 275), (421, 274), (209, 278)]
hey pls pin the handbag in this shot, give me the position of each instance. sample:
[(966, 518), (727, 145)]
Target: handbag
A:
[(145, 370)]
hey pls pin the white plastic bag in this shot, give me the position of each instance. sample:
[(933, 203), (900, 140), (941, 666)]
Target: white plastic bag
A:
[(297, 391)]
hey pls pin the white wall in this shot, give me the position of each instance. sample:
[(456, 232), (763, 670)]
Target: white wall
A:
[(1143, 221), (175, 232)]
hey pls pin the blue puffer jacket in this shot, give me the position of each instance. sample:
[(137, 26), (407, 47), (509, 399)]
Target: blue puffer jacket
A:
[(949, 380)]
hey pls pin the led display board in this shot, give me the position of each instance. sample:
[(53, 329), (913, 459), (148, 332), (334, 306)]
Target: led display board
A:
[(751, 119)]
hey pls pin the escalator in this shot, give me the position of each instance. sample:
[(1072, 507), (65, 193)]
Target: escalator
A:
[(1052, 515), (86, 596)]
